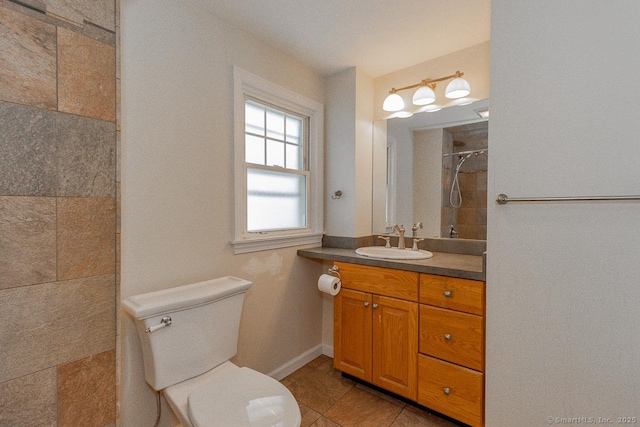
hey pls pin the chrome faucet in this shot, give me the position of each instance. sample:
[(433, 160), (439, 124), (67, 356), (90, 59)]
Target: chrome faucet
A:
[(417, 226), (400, 231), (452, 232)]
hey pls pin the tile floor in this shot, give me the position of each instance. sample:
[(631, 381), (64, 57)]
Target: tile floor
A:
[(327, 399)]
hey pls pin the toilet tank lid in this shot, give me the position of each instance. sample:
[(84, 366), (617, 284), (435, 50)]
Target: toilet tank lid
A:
[(183, 297)]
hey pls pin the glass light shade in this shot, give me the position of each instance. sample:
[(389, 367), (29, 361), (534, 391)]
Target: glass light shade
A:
[(393, 102), (430, 108), (424, 96), (457, 88), (462, 101), (401, 115)]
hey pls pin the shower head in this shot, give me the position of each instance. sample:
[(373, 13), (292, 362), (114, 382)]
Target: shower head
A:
[(462, 159)]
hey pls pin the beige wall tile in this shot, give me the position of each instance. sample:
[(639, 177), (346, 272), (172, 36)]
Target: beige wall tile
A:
[(47, 153), (86, 391), (467, 216), (98, 12), (86, 237), (29, 401), (86, 76), (49, 324), (27, 241), (28, 65)]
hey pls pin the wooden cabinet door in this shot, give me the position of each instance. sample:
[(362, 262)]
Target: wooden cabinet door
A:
[(395, 345), (352, 333)]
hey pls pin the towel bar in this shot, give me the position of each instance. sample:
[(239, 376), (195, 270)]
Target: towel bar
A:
[(503, 199)]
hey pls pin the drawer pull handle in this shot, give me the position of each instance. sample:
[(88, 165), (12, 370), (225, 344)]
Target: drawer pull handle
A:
[(375, 305), (447, 391), (447, 337), (366, 304), (447, 294)]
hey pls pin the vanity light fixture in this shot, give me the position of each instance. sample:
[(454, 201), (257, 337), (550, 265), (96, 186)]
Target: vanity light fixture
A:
[(425, 95)]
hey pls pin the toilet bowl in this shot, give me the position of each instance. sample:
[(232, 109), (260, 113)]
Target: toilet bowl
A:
[(233, 396), (187, 335)]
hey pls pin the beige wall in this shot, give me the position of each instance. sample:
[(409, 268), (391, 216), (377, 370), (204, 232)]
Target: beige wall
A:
[(58, 213), (177, 191)]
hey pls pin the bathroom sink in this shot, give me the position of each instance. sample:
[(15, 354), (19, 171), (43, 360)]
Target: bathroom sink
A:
[(392, 253)]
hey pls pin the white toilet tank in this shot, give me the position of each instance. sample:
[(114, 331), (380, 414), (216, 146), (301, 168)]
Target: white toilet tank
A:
[(203, 330)]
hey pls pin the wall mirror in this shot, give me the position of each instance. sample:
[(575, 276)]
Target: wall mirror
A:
[(431, 169)]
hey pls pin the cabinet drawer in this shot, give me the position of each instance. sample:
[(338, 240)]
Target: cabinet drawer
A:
[(453, 293), (380, 281), (450, 389), (453, 336)]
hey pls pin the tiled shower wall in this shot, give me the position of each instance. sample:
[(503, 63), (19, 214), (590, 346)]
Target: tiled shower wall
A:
[(470, 219), (59, 228)]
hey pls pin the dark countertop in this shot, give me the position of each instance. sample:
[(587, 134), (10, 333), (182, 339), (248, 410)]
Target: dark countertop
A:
[(442, 263)]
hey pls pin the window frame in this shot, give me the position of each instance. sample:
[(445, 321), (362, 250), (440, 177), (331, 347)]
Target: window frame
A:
[(248, 86)]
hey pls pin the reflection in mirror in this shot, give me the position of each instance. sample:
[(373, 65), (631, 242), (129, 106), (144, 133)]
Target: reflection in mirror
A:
[(433, 174), (464, 181)]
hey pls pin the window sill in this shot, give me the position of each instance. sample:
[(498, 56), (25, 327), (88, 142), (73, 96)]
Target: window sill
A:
[(275, 242)]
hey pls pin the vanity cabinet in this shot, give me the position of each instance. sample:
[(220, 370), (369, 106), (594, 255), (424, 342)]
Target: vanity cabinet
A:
[(451, 360), (376, 327), (417, 335)]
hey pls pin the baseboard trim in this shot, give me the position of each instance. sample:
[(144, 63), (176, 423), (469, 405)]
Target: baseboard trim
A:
[(297, 362), (327, 350)]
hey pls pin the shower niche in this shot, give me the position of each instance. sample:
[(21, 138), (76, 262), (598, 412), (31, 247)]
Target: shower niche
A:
[(434, 175)]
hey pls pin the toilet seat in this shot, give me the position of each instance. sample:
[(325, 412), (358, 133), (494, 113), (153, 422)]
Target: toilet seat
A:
[(230, 396), (243, 397)]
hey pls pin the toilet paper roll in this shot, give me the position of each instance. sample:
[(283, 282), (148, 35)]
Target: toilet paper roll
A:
[(329, 284)]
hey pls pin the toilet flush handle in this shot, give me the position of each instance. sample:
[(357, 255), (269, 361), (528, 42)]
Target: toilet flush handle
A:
[(164, 322)]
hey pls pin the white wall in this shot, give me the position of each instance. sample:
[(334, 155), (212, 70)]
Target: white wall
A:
[(379, 203), (348, 153), (340, 154), (177, 188), (427, 181), (364, 153), (562, 279)]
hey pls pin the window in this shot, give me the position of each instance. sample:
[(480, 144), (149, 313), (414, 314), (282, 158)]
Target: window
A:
[(278, 166), (277, 174)]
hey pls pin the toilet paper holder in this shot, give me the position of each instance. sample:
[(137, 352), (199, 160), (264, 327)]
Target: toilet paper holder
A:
[(335, 271)]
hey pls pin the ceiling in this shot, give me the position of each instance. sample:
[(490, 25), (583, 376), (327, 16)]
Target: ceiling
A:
[(377, 36)]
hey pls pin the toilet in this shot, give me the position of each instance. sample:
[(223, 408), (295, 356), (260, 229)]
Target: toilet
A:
[(188, 334)]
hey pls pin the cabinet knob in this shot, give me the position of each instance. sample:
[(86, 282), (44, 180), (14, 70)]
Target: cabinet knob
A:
[(366, 304), (447, 294), (447, 337), (375, 305), (447, 391)]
